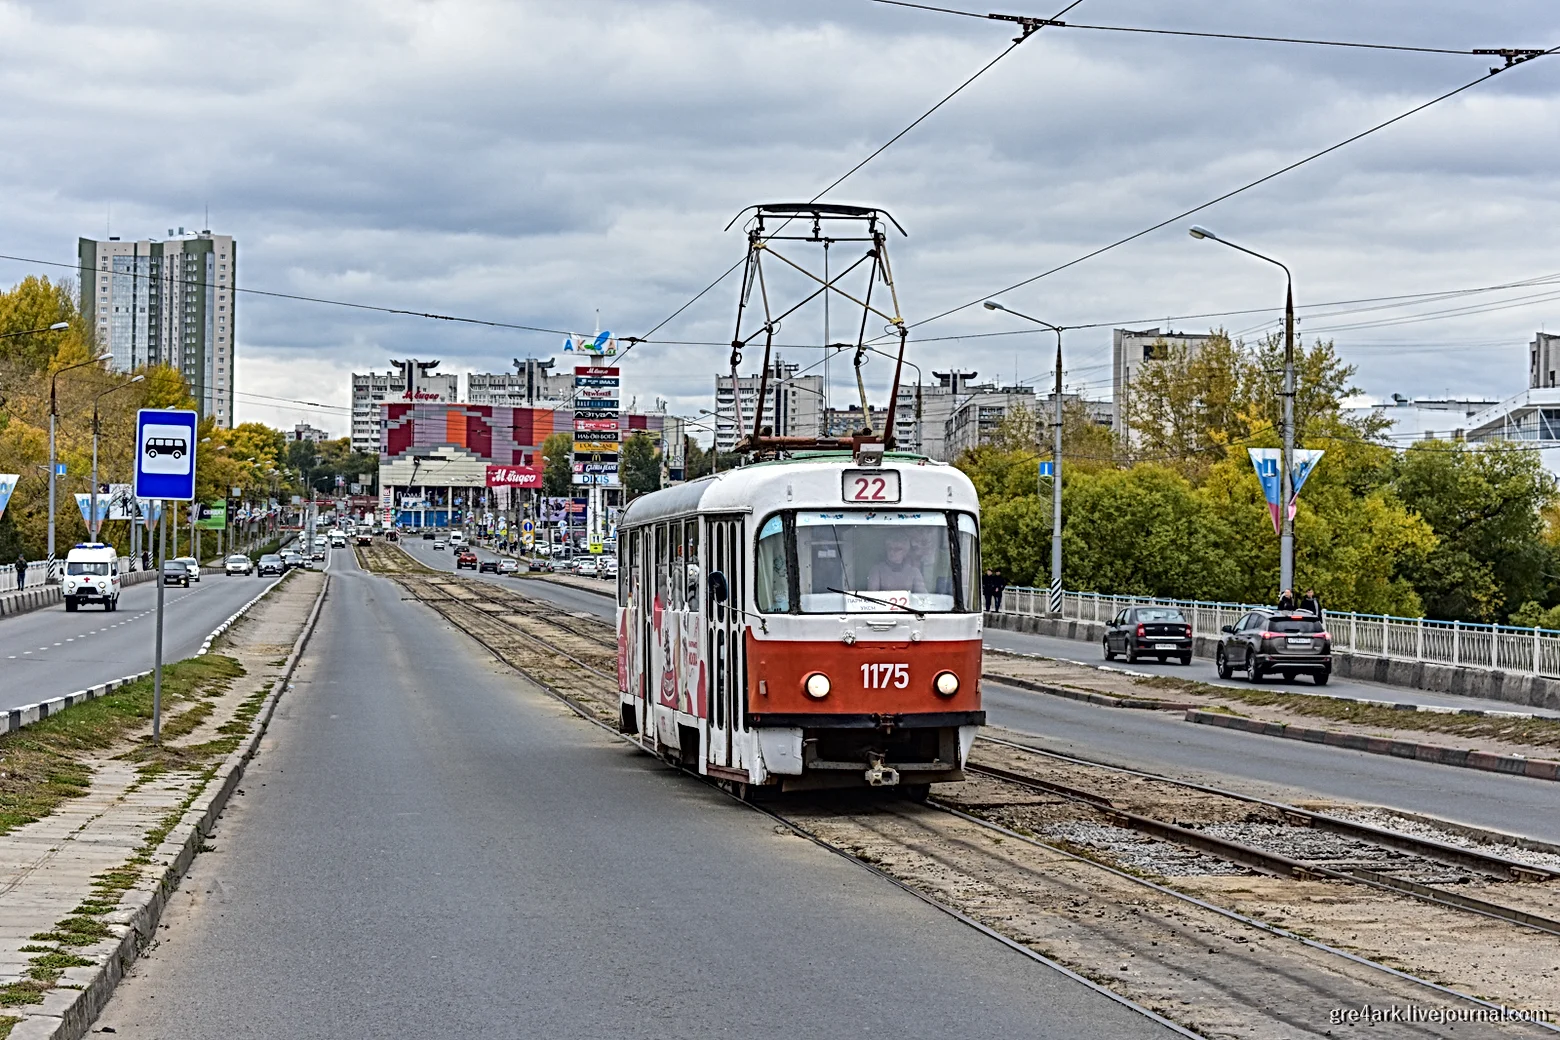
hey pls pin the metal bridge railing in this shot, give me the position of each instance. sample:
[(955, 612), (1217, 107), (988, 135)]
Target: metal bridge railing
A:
[(1532, 651)]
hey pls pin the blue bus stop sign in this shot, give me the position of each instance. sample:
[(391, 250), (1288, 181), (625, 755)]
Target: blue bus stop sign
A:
[(165, 454)]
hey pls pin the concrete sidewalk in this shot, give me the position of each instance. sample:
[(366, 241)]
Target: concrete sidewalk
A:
[(80, 889)]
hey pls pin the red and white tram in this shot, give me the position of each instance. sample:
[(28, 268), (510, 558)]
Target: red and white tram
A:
[(806, 622)]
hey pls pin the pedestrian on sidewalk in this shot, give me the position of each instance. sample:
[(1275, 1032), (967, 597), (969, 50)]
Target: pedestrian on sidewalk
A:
[(1286, 600), (991, 588), (21, 570), (1311, 603)]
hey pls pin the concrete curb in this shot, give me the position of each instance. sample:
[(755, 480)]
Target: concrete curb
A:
[(28, 600), (1513, 765), (1104, 699), (134, 924)]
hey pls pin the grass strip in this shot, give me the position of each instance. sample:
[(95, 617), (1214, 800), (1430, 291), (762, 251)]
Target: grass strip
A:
[(1535, 732), (44, 764)]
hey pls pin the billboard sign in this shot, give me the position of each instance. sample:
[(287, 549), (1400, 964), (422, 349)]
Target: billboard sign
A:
[(514, 477), (121, 502), (7, 486)]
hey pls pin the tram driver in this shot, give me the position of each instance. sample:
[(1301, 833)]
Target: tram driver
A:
[(898, 571)]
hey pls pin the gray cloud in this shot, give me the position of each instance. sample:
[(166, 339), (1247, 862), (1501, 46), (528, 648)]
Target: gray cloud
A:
[(533, 162)]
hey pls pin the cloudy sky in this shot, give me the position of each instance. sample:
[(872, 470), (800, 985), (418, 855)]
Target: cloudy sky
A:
[(539, 162)]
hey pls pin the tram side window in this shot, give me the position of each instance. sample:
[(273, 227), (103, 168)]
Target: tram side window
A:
[(628, 565), (969, 561), (674, 534), (692, 582), (662, 566), (771, 580)]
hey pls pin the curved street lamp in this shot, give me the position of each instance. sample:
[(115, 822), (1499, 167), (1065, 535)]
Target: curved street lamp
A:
[(1054, 600), (1286, 539), (54, 412)]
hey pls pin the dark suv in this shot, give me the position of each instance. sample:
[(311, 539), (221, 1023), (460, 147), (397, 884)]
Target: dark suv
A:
[(1288, 642), (1161, 632)]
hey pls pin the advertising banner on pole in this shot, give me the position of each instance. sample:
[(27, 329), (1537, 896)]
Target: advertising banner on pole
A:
[(1267, 462), (7, 485), (84, 503), (121, 502), (150, 510), (213, 515)]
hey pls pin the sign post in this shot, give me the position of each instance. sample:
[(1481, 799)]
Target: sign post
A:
[(164, 470)]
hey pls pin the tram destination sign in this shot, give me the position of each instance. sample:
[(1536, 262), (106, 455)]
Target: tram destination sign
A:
[(871, 486)]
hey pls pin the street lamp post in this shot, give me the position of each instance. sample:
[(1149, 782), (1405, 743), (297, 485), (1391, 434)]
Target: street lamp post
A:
[(1055, 598), (129, 382), (1286, 538), (54, 412)]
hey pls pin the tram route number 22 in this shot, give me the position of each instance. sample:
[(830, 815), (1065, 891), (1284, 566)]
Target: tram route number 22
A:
[(871, 485), (883, 675)]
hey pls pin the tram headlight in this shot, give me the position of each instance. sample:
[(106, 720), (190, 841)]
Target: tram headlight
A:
[(817, 686), (946, 684)]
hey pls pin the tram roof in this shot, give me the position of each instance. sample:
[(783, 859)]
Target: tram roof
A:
[(751, 486)]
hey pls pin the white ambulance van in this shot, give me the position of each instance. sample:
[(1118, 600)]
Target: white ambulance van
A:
[(92, 576)]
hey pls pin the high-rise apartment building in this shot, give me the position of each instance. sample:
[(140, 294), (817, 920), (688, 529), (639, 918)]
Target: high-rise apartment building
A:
[(532, 383), (793, 405), (408, 382), (167, 303), (1132, 350)]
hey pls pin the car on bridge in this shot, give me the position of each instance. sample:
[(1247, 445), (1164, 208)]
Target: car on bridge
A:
[(1269, 640), (192, 564), (238, 563), (271, 563), (466, 558), (175, 573), (91, 575), (1159, 632), (508, 566), (487, 567)]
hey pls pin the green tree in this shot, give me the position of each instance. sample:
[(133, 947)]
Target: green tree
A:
[(1486, 505), (639, 465), (558, 470)]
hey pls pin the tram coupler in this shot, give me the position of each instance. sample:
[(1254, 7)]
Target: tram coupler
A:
[(879, 775)]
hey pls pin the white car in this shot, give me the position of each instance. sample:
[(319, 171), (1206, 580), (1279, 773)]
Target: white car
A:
[(192, 564), (91, 576), (586, 566), (438, 543), (608, 567), (508, 565), (238, 564)]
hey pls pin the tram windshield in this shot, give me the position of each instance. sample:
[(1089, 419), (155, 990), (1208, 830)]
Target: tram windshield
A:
[(852, 562)]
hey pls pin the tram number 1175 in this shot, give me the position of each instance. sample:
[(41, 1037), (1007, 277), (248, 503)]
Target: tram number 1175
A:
[(882, 676)]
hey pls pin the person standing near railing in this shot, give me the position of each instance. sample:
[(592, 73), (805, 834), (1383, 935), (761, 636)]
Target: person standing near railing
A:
[(21, 571), (1310, 602), (1286, 600)]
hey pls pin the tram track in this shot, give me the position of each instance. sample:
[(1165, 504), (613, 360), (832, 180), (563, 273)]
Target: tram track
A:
[(1220, 970)]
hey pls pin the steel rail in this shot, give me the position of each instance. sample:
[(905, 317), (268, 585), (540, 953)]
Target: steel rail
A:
[(1273, 863), (1233, 915), (1428, 848)]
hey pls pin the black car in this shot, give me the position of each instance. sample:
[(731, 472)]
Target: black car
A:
[(1159, 632), (427, 536), (1285, 642), (487, 567), (175, 573)]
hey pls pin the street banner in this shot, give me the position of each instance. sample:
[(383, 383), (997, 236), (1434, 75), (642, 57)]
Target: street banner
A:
[(7, 485), (121, 502), (1266, 462), (514, 476), (84, 503), (596, 370), (151, 511), (1300, 467)]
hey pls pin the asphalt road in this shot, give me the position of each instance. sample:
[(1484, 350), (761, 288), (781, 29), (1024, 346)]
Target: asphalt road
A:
[(47, 653), (428, 846), (1162, 742)]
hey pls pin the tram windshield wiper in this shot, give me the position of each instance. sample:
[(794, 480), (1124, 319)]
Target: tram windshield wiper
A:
[(881, 602)]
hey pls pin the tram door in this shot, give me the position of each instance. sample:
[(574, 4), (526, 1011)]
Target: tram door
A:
[(724, 649)]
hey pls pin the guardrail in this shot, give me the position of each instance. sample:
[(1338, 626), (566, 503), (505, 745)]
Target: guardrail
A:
[(1506, 648)]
